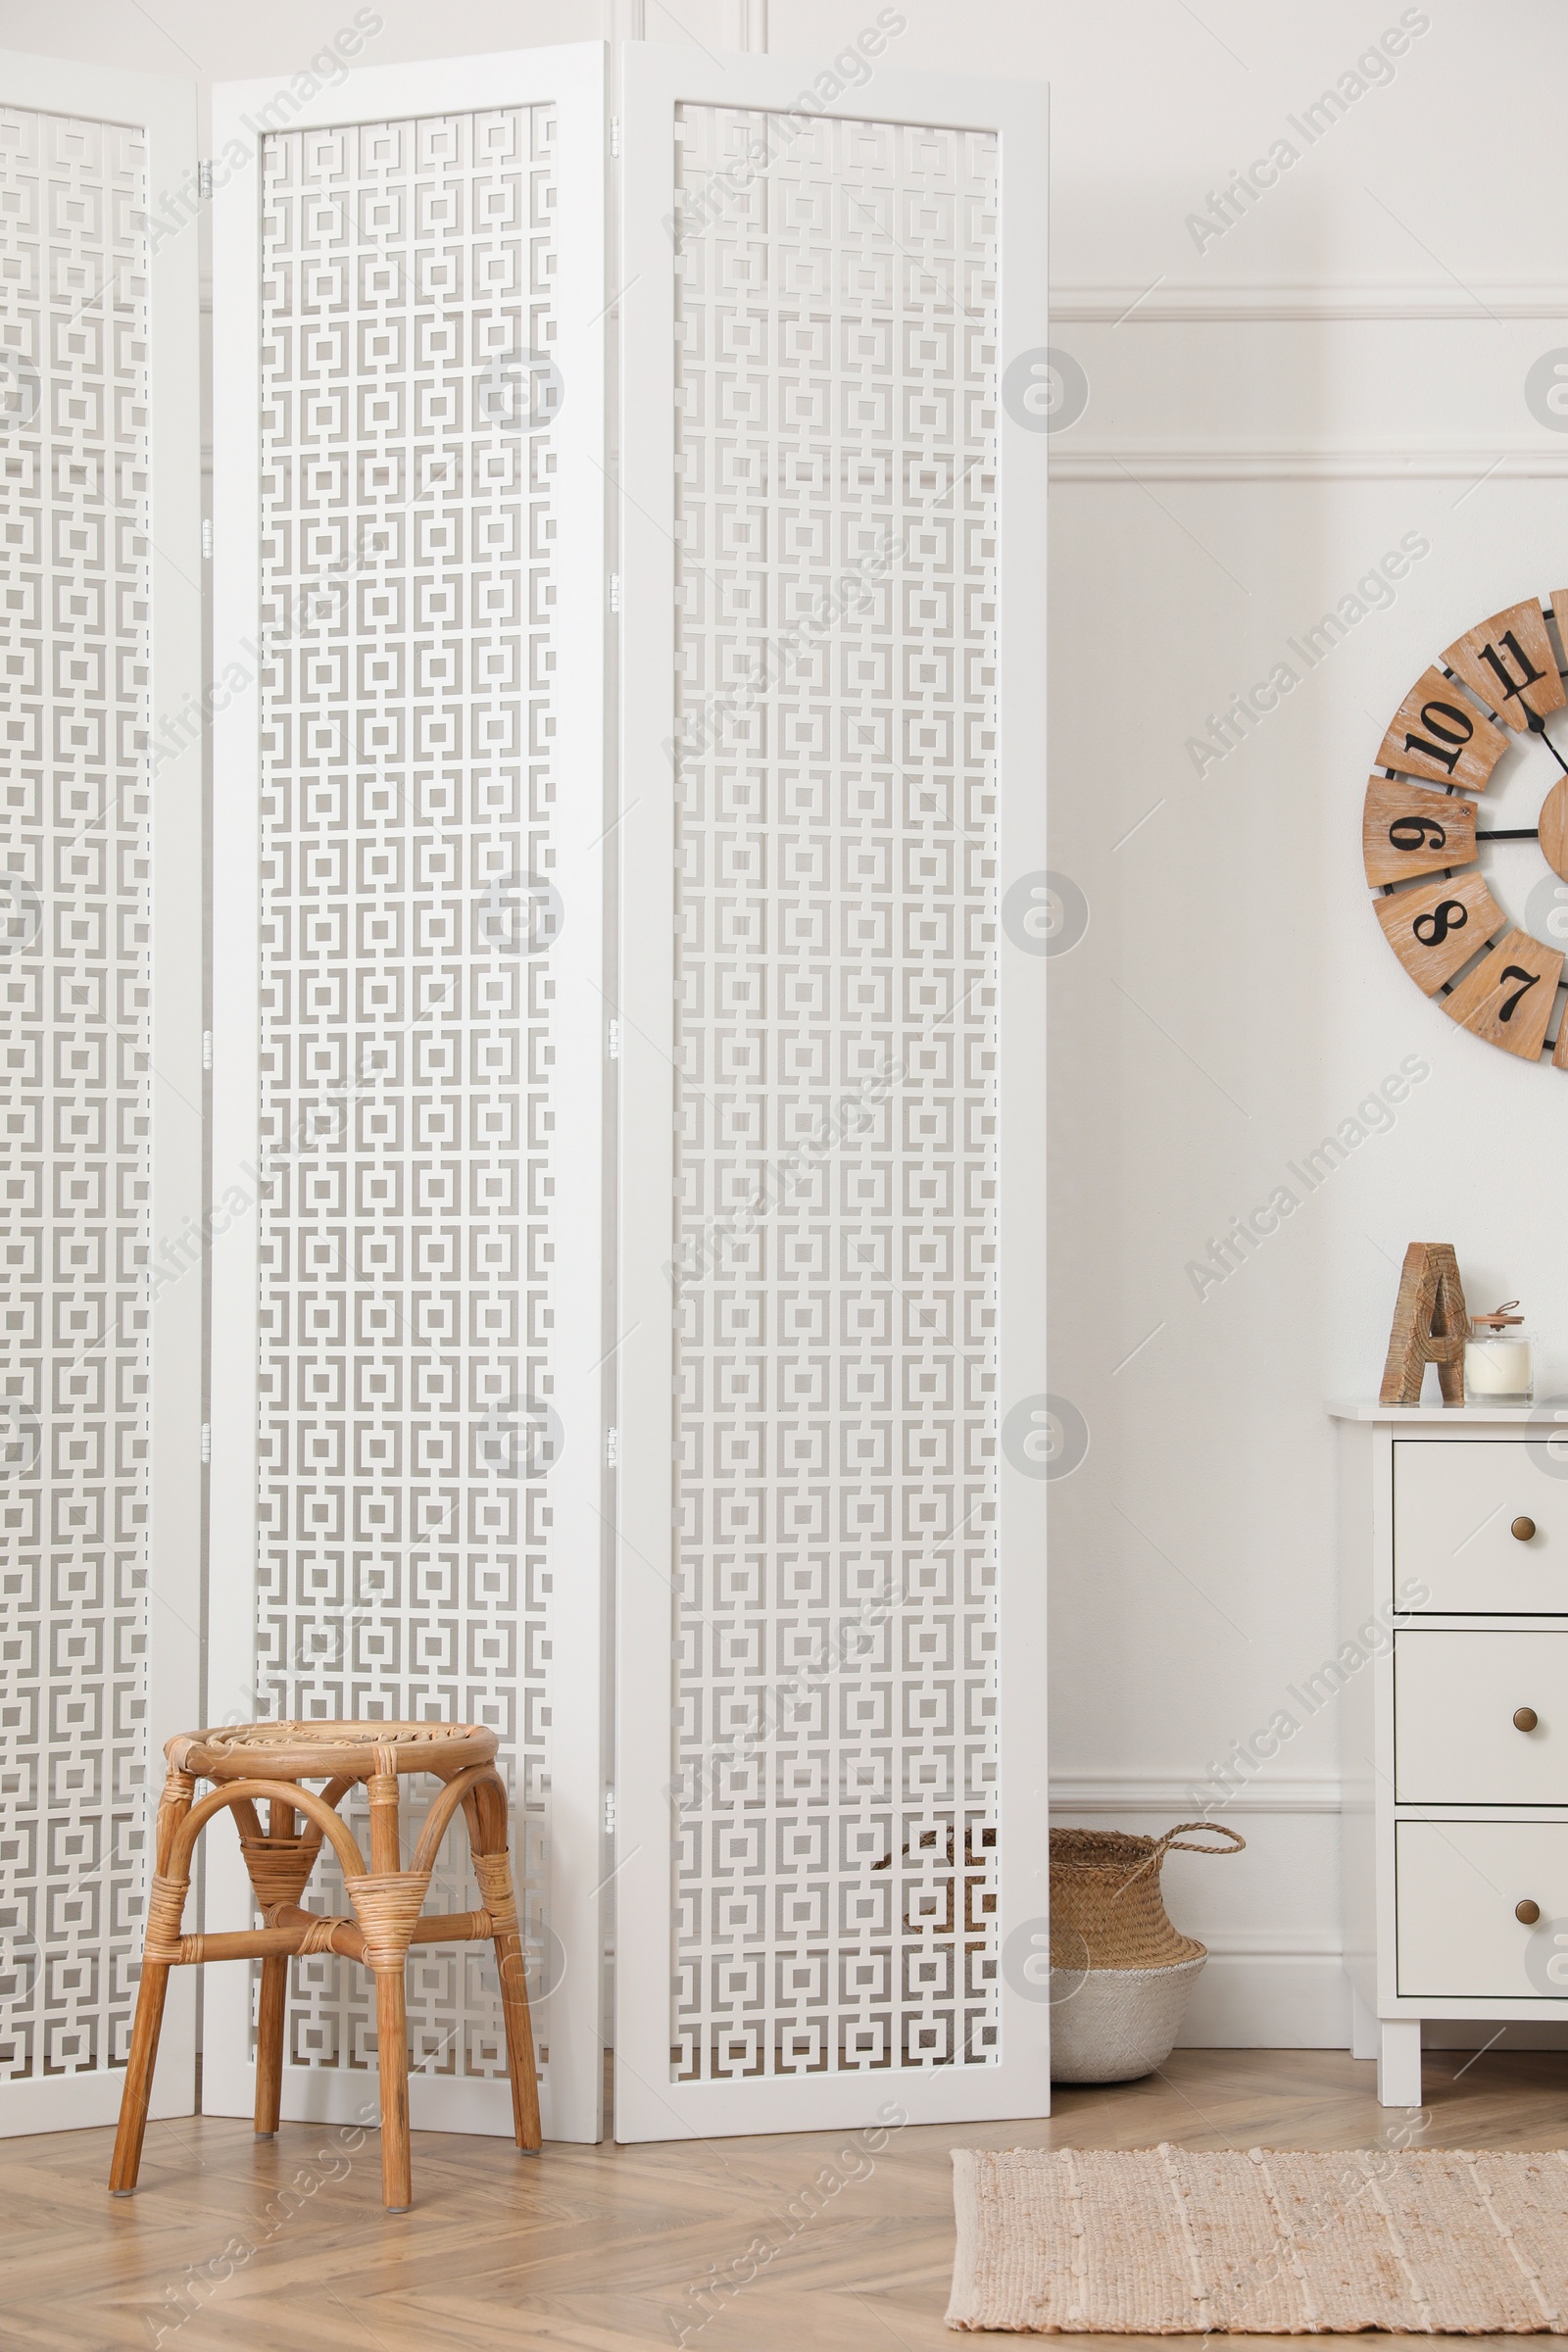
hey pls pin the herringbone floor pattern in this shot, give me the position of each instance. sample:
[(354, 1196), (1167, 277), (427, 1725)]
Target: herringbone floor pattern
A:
[(609, 2249)]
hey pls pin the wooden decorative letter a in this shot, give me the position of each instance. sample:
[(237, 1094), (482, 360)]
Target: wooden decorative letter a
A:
[(1430, 1326)]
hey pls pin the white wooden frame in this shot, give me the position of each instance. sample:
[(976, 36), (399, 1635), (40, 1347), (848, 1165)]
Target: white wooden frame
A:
[(648, 2105), (573, 79), (165, 109)]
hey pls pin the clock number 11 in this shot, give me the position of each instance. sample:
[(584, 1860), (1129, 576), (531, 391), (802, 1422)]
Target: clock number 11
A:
[(1528, 676)]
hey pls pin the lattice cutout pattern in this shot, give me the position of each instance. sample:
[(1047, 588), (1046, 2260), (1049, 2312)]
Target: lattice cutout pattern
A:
[(835, 1418), (407, 583), (75, 961)]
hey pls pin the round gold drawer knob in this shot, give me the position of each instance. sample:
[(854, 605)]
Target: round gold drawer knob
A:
[(1525, 1719), (1522, 1530), (1527, 1912)]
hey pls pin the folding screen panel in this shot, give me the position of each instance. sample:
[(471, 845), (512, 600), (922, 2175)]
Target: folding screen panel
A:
[(831, 1576), (409, 1437), (101, 968)]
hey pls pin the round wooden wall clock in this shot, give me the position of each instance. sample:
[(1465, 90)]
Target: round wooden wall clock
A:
[(1499, 681)]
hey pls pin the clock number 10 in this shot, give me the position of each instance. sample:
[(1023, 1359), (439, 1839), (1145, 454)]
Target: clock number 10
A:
[(1451, 723)]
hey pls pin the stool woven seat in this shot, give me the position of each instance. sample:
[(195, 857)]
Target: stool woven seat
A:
[(250, 1762), (321, 1751)]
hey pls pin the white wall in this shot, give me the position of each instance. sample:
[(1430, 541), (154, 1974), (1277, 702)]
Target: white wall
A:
[(1341, 371), (1344, 367)]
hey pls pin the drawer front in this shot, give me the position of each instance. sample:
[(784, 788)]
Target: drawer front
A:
[(1454, 1506), (1455, 1741), (1455, 1886)]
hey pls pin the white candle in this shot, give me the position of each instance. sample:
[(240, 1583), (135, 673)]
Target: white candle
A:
[(1496, 1367)]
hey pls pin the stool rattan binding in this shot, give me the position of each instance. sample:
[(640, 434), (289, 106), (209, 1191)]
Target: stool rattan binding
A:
[(249, 1762)]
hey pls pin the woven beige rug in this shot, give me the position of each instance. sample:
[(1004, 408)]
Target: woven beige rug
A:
[(1168, 2241)]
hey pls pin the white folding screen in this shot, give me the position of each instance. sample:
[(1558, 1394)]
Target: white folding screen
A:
[(101, 967), (831, 1559), (830, 1860), (409, 1447)]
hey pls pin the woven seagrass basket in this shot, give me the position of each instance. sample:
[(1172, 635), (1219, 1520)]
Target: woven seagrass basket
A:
[(1121, 1974)]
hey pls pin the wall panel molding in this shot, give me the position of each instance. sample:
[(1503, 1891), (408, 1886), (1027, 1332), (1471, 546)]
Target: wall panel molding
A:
[(1457, 463), (1169, 302), (1265, 1987), (1170, 1794)]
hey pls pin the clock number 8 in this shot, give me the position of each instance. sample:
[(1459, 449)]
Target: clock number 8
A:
[(1416, 833), (1433, 929)]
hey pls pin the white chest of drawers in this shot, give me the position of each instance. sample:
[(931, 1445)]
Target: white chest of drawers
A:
[(1452, 1694)]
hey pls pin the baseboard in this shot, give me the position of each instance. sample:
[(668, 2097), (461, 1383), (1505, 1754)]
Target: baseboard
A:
[(1287, 1997), (1285, 2000)]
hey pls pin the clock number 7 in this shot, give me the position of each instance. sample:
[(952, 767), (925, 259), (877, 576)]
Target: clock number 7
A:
[(1515, 971)]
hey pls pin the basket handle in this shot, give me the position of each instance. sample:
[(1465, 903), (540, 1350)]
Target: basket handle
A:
[(1185, 1845)]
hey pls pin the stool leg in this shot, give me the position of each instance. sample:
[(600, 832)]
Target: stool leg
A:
[(136, 2097), (492, 1863), (269, 2044), (165, 1904), (270, 2011), (520, 2064), (391, 2000), (392, 2058)]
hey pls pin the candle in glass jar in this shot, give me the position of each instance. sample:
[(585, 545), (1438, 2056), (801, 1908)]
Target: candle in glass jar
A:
[(1497, 1368), (1498, 1359)]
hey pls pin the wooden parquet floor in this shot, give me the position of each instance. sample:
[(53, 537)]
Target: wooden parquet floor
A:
[(606, 2249)]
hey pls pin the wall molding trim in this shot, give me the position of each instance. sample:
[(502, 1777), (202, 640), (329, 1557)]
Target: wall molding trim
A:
[(1170, 1794), (1135, 466), (1170, 303)]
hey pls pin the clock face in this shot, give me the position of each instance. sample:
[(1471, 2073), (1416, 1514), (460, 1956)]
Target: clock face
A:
[(1424, 815)]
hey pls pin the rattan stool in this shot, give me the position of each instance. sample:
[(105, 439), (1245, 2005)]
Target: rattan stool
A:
[(254, 1760)]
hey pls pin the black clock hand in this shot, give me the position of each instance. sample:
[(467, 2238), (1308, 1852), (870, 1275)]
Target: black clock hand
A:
[(1528, 833), (1538, 726)]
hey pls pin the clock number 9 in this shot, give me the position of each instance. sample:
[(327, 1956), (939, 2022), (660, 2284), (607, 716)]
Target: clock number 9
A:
[(1515, 971), (1416, 833), (1433, 928)]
